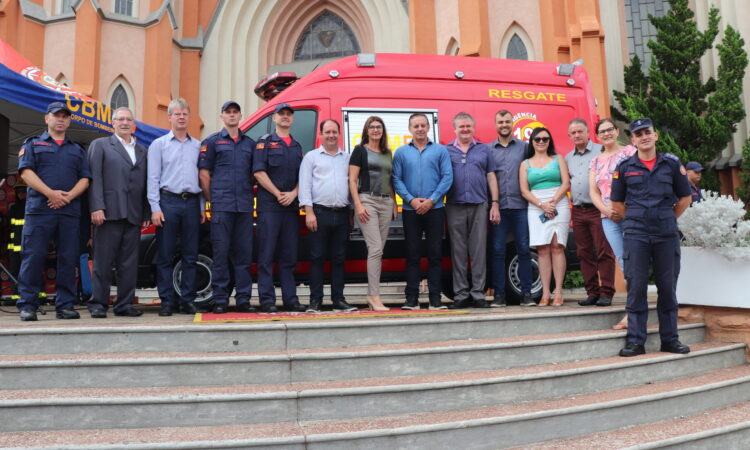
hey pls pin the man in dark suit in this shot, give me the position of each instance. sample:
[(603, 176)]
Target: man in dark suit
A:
[(118, 204)]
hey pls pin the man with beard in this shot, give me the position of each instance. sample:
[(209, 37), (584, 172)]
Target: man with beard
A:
[(509, 152)]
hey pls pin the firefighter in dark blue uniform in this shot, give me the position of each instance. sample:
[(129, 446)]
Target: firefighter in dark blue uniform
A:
[(57, 173), (226, 176), (276, 165), (644, 189)]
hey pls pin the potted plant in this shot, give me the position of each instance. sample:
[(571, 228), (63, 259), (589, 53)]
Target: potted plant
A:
[(715, 253)]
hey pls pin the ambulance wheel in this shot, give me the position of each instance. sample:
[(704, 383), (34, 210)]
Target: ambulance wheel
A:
[(204, 292), (513, 280)]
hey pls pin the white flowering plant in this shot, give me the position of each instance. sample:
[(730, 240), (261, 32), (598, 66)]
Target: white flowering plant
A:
[(717, 223)]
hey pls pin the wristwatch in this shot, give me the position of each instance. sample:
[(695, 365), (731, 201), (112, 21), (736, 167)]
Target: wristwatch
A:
[(495, 201)]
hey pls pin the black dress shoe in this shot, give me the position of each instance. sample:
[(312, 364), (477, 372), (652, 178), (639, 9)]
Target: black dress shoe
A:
[(269, 308), (314, 306), (245, 308), (296, 307), (498, 302), (675, 347), (128, 312), (591, 300), (604, 301), (462, 304), (437, 303), (68, 314), (219, 309), (189, 308), (481, 304), (411, 304), (165, 311), (527, 300), (632, 349), (98, 313), (28, 315), (341, 305)]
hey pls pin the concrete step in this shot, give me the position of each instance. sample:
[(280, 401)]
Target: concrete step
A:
[(726, 428), (25, 410), (293, 366), (23, 339), (493, 427)]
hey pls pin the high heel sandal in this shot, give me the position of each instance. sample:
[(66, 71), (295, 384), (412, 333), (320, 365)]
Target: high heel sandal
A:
[(544, 301), (375, 307), (555, 302)]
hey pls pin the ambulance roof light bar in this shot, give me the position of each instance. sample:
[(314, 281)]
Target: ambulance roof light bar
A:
[(272, 85)]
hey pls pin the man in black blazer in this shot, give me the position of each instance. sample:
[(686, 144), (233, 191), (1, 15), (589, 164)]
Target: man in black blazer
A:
[(118, 204)]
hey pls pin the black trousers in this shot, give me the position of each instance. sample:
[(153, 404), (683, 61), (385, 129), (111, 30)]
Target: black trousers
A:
[(431, 225), (332, 235)]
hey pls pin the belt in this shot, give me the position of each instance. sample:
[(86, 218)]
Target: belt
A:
[(377, 195), (182, 195), (585, 205), (331, 208)]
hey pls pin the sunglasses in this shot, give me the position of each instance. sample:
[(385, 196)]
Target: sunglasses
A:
[(541, 140)]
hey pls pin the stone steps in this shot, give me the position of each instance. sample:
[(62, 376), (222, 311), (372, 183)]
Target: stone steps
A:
[(724, 428), (486, 379), (21, 410), (516, 424), (278, 336), (294, 366)]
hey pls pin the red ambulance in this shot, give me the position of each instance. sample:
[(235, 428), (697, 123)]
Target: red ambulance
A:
[(393, 86)]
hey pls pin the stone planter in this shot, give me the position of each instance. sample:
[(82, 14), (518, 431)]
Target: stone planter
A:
[(708, 278)]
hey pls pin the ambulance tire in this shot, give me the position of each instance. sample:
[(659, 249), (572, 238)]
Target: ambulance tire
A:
[(513, 281), (204, 292)]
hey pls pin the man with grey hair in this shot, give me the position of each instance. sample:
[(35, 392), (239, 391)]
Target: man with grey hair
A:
[(117, 200), (593, 250), (174, 194), (466, 210)]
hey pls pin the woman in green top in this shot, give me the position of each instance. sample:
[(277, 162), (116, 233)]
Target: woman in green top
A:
[(374, 199), (544, 184)]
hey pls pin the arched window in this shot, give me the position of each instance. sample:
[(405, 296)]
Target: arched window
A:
[(119, 98), (327, 36), (517, 49), (124, 7)]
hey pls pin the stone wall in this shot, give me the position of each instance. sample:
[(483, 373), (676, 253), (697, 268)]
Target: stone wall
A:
[(722, 324)]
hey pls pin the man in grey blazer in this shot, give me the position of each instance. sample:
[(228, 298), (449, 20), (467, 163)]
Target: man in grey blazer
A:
[(118, 204)]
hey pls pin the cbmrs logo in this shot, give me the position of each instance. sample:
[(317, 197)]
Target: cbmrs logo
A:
[(38, 75), (524, 124)]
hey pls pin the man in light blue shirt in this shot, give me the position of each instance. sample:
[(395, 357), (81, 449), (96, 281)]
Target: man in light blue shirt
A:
[(422, 174), (175, 198), (324, 193)]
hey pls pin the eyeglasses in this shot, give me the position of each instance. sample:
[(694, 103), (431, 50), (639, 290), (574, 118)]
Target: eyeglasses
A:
[(541, 140), (607, 130), (375, 127)]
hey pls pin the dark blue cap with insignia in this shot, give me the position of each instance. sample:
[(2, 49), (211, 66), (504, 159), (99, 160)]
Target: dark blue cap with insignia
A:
[(229, 103), (639, 124), (55, 107), (281, 106), (695, 166)]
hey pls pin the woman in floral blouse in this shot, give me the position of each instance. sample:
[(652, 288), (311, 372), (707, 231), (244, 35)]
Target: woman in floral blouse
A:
[(600, 187)]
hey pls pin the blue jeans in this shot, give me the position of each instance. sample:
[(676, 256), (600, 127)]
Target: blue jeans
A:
[(182, 221), (515, 220), (613, 232)]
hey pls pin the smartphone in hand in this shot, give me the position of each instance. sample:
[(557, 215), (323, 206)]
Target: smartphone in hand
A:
[(543, 218)]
